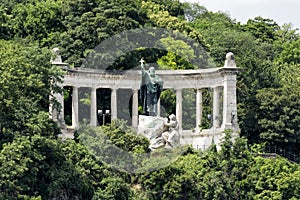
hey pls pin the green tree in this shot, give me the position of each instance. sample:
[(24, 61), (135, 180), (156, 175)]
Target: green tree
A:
[(174, 7), (116, 145), (193, 10), (263, 29), (160, 17), (254, 56), (178, 55), (36, 166), (27, 79), (269, 178), (15, 159), (290, 53), (113, 189), (38, 21), (287, 33), (204, 174), (279, 117), (89, 22), (125, 137)]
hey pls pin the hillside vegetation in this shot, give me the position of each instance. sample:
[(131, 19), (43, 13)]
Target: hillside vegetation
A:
[(36, 164)]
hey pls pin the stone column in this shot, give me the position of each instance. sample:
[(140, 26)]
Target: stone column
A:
[(93, 112), (198, 109), (158, 107), (229, 101), (216, 107), (51, 108), (58, 113), (135, 106), (179, 108), (114, 111), (75, 107)]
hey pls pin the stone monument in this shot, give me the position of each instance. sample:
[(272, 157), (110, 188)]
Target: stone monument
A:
[(160, 131), (221, 81)]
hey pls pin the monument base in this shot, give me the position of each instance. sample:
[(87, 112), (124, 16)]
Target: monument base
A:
[(151, 126), (161, 132)]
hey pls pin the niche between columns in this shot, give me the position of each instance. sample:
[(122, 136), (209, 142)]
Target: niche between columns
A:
[(67, 90), (206, 108), (103, 106), (167, 102), (210, 117), (84, 105), (124, 105), (188, 109)]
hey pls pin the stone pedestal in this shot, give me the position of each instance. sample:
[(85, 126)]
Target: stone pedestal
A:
[(160, 131), (151, 126)]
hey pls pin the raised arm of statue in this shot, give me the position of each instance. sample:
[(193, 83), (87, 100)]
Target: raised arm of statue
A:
[(142, 66)]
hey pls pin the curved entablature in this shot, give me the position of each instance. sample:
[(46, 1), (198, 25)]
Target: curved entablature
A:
[(201, 78)]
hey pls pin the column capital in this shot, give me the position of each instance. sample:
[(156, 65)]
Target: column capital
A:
[(135, 89), (94, 88), (218, 87), (114, 88)]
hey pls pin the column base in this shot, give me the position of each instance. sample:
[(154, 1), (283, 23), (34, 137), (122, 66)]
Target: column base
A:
[(135, 121), (227, 126), (232, 126)]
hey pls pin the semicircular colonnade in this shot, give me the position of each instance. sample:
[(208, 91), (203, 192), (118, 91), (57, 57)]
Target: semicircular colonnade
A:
[(222, 81)]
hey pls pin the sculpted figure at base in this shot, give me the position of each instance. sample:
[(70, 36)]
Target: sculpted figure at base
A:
[(169, 138), (151, 88)]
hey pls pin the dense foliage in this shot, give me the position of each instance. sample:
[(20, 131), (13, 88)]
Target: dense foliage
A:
[(231, 173), (27, 79), (36, 164)]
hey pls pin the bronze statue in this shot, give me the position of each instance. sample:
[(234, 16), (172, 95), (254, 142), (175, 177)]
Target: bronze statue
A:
[(151, 88)]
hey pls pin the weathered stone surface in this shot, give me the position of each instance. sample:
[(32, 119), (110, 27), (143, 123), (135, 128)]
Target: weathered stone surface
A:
[(160, 131), (151, 126), (230, 62), (57, 60)]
